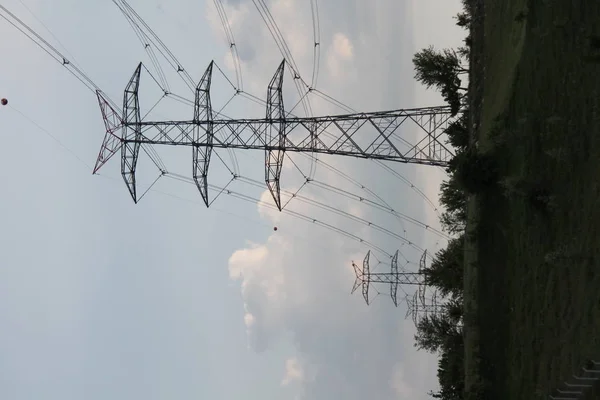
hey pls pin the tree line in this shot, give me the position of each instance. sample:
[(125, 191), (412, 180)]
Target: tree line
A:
[(446, 71)]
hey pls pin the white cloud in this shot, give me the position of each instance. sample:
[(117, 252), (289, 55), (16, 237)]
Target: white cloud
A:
[(254, 255), (342, 47), (259, 268), (248, 320), (293, 290), (294, 372), (268, 212), (339, 57), (296, 285)]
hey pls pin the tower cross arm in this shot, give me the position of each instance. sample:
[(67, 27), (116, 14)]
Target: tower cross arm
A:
[(401, 278), (374, 135)]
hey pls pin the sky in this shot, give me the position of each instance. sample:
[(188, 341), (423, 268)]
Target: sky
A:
[(103, 298)]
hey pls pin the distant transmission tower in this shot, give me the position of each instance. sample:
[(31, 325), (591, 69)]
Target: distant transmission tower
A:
[(418, 306), (394, 278), (275, 134)]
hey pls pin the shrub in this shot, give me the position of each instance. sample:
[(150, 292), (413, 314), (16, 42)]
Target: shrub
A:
[(475, 172)]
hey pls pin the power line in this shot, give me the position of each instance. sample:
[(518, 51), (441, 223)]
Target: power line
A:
[(250, 134), (45, 131)]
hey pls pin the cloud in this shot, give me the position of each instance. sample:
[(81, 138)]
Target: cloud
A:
[(340, 56), (262, 283), (296, 284), (293, 290), (267, 212), (342, 46), (293, 372), (248, 319)]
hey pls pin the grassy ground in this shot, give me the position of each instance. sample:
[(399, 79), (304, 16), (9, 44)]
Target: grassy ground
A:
[(471, 325), (537, 262)]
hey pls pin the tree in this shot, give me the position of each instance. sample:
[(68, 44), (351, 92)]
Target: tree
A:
[(465, 51), (451, 370), (441, 69), (453, 223), (455, 309), (435, 331), (442, 333), (474, 171), (454, 198), (464, 18), (445, 272), (434, 67), (451, 94), (458, 131)]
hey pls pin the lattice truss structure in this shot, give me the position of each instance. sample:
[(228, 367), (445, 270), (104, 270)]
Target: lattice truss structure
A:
[(369, 135), (418, 304), (420, 307)]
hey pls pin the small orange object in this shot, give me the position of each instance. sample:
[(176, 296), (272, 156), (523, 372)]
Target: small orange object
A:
[(4, 102)]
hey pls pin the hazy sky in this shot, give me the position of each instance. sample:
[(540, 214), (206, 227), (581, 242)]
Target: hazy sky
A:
[(101, 298)]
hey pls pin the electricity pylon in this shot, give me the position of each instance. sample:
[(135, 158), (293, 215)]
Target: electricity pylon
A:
[(275, 134), (394, 278), (418, 306)]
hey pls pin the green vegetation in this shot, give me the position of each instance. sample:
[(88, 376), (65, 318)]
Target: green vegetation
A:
[(521, 199), (443, 333)]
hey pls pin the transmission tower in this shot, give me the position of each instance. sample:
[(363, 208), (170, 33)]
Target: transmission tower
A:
[(364, 278), (275, 134), (419, 307), (422, 285)]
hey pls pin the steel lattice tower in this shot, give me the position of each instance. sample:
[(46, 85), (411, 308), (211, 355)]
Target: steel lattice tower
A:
[(394, 278), (275, 134), (418, 306)]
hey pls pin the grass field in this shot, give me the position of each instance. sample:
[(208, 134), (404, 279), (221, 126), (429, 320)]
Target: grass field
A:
[(537, 260)]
